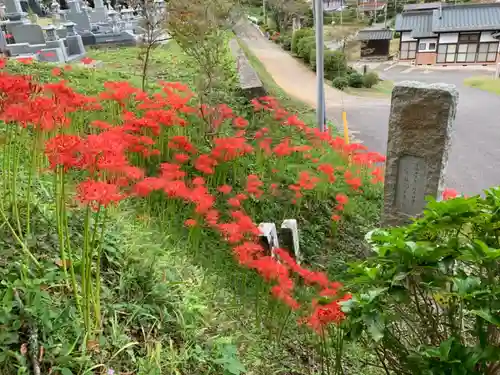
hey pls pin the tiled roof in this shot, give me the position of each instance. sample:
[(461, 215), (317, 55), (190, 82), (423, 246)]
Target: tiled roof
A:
[(419, 23), (371, 7), (449, 17), (467, 17), (424, 6), (374, 34)]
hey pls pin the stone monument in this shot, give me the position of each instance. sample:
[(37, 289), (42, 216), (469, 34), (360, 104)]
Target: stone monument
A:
[(420, 126), (28, 40)]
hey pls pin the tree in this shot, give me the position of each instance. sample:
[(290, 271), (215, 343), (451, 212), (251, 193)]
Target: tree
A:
[(199, 27), (153, 25), (283, 11)]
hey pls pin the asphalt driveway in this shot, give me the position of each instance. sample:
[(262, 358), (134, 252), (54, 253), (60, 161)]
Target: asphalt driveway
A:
[(474, 159), (475, 151)]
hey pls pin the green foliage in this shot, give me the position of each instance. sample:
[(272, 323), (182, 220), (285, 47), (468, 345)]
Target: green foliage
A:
[(335, 64), (370, 79), (428, 299), (304, 47), (297, 36), (355, 79), (286, 41), (340, 82)]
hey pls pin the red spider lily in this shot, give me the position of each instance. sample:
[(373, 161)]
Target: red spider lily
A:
[(64, 150), (98, 193), (336, 217), (254, 185), (449, 193), (181, 143), (190, 223), (26, 60), (205, 164), (87, 60), (341, 199), (227, 149), (56, 72), (181, 158), (225, 189)]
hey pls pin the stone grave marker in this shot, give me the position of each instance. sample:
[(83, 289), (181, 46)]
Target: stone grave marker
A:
[(420, 127), (287, 237)]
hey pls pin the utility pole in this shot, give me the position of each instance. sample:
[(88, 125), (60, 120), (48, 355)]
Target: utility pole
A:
[(320, 74)]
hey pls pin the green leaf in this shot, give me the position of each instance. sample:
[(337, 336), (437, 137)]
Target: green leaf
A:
[(66, 371), (444, 349), (486, 315)]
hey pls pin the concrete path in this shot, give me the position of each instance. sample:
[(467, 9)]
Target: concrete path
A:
[(475, 153)]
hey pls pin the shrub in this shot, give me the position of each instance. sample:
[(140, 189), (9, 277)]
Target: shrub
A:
[(370, 79), (297, 36), (429, 299), (340, 82), (335, 64), (286, 42), (312, 58), (355, 80), (305, 46)]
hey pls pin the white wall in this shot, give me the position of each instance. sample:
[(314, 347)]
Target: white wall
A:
[(448, 38), (427, 42), (406, 36), (486, 36)]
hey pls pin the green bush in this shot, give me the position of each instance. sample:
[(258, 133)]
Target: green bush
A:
[(335, 64), (370, 79), (340, 82), (355, 80), (305, 46), (286, 42), (312, 58), (297, 36), (429, 298)]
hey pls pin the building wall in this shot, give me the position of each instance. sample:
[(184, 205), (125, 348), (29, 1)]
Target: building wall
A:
[(448, 38), (487, 36), (406, 36), (428, 44), (426, 58)]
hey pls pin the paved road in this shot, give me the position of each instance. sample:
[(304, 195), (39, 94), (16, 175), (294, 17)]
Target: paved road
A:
[(474, 158), (475, 152)]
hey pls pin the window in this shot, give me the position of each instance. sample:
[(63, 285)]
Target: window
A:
[(487, 52), (446, 53), (465, 38), (421, 47), (432, 46), (408, 50)]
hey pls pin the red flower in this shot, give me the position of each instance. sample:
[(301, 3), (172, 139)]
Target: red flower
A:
[(225, 189), (87, 60), (98, 193), (449, 193), (336, 217), (181, 158), (190, 223), (56, 72), (341, 199)]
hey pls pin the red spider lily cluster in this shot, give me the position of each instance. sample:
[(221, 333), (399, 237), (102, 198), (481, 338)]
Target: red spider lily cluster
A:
[(157, 130)]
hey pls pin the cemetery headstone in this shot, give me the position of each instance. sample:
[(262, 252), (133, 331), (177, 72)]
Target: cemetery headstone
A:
[(286, 237), (420, 127)]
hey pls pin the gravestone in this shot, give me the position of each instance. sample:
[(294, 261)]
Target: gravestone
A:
[(286, 237), (420, 126)]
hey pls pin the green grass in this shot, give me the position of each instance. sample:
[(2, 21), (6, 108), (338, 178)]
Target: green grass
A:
[(168, 309), (306, 112), (484, 83), (382, 89)]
